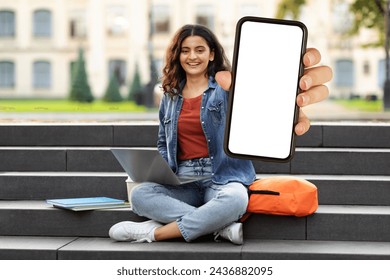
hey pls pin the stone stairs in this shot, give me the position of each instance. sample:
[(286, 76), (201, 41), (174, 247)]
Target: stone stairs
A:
[(349, 163)]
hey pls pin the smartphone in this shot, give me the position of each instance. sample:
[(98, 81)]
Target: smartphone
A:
[(262, 110)]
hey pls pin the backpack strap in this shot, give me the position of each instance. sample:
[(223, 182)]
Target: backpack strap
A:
[(245, 216)]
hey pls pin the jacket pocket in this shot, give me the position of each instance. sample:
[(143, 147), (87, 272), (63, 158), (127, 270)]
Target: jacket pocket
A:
[(168, 126), (216, 112)]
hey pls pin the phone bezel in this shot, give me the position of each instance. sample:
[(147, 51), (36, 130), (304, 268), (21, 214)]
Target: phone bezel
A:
[(231, 93)]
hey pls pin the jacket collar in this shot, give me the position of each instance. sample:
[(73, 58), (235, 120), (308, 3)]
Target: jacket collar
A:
[(212, 83)]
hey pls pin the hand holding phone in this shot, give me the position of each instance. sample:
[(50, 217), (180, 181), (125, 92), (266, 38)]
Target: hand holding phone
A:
[(262, 110)]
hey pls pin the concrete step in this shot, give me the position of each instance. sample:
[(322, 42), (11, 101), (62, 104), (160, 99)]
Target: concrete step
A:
[(334, 161), (330, 222), (36, 218), (350, 190), (32, 247), (252, 249), (42, 248), (350, 223), (332, 189), (315, 250), (45, 185), (321, 134), (349, 163), (355, 134), (342, 161), (65, 134)]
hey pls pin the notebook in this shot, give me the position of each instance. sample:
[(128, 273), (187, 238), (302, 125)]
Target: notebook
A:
[(87, 203), (147, 165)]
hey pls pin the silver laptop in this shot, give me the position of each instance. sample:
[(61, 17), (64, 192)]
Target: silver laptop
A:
[(147, 165)]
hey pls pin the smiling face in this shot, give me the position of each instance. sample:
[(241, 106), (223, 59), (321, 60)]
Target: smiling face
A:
[(195, 55)]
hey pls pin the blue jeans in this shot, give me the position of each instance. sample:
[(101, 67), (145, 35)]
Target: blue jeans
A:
[(199, 208)]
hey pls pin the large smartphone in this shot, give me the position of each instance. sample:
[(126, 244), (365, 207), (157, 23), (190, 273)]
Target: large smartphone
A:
[(262, 110)]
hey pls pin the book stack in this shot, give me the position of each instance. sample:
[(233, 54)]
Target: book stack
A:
[(88, 203)]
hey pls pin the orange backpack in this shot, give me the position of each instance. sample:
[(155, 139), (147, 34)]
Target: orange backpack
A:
[(282, 195)]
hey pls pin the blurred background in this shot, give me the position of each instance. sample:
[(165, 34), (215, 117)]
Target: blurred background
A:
[(101, 59)]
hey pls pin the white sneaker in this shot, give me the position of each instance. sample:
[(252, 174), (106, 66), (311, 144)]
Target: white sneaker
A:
[(132, 231), (233, 233)]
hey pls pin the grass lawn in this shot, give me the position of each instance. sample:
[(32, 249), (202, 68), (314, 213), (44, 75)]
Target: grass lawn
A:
[(362, 105), (68, 106)]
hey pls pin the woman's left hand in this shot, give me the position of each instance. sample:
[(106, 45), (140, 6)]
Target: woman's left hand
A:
[(311, 84)]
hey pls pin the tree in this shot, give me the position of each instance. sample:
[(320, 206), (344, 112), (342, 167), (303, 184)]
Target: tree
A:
[(366, 14), (112, 93), (372, 14), (80, 89), (289, 8), (136, 86), (369, 14)]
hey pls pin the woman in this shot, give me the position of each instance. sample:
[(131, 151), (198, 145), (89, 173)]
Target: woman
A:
[(192, 114)]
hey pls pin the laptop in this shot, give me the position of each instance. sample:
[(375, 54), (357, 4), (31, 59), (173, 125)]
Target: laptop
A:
[(147, 165)]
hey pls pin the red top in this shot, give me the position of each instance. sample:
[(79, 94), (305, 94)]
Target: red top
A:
[(191, 140)]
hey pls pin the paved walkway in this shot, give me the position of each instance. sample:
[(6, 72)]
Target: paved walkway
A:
[(78, 117), (323, 111), (331, 111)]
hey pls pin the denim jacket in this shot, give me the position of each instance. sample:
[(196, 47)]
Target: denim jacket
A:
[(213, 118)]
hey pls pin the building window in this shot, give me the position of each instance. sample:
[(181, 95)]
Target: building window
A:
[(160, 19), (204, 16), (366, 68), (77, 24), (381, 72), (7, 24), (7, 74), (42, 23), (344, 74), (117, 67), (42, 74), (117, 22)]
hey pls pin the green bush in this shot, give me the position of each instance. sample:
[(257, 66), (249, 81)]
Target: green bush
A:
[(80, 89), (112, 93), (136, 86)]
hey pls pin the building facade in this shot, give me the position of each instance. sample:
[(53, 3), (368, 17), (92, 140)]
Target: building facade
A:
[(39, 41)]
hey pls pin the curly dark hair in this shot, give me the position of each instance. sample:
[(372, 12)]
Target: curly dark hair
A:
[(173, 73)]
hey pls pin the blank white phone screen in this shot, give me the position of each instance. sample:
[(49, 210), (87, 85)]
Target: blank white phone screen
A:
[(265, 89)]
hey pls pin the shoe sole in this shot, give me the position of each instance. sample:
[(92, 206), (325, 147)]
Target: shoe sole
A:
[(120, 224)]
